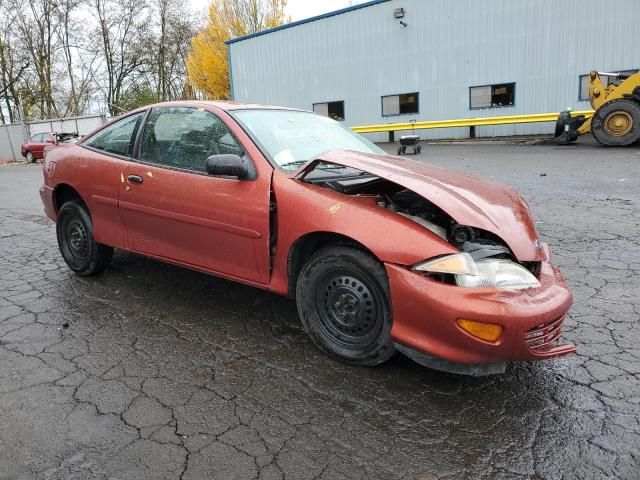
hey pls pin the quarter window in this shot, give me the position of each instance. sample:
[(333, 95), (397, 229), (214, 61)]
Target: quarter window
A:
[(403, 104), (489, 96), (606, 81), (119, 137), (185, 137), (333, 110)]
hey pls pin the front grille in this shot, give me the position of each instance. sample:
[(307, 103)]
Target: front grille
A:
[(544, 337)]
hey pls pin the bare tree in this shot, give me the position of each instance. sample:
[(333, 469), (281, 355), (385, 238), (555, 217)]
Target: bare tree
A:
[(55, 60), (13, 68), (36, 26), (69, 35), (122, 37), (174, 30)]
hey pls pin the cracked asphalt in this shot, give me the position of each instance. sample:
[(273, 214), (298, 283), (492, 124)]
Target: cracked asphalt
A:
[(150, 371)]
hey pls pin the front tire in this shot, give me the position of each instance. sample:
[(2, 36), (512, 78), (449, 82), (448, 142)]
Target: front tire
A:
[(30, 158), (78, 247), (344, 304), (617, 123)]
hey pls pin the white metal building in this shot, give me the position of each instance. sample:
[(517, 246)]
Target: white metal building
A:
[(391, 61)]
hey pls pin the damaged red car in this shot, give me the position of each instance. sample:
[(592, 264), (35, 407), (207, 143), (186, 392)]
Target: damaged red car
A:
[(381, 253)]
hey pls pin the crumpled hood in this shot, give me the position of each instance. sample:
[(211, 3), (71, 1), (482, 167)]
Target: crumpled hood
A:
[(469, 200)]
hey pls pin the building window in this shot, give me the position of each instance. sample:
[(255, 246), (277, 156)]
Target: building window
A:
[(606, 81), (333, 110), (403, 104), (489, 96)]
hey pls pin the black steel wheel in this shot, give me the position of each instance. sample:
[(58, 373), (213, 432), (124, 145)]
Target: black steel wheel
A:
[(79, 249), (617, 123), (344, 304), (404, 149)]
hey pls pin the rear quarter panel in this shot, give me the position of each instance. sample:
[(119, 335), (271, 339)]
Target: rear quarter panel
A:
[(96, 178)]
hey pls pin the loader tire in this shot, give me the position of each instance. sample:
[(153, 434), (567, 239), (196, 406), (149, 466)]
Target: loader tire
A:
[(617, 123)]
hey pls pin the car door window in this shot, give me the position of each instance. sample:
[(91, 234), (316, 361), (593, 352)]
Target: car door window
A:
[(37, 138), (118, 137), (185, 137)]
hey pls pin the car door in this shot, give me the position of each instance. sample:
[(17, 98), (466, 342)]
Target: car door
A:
[(48, 141), (37, 145), (98, 173), (172, 209)]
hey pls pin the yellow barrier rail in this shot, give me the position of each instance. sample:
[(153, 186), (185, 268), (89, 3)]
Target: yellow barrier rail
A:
[(467, 122)]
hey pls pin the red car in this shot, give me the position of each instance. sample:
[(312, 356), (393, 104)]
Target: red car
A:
[(34, 148), (381, 253)]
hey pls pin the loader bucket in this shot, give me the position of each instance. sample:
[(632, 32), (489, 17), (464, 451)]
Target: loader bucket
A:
[(567, 127)]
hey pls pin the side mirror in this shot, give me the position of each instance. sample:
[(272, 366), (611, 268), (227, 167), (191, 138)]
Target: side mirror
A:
[(228, 165)]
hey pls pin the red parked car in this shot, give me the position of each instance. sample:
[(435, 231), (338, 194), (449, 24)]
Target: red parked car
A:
[(381, 253), (34, 148)]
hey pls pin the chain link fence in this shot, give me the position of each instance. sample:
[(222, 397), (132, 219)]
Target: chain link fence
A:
[(13, 136)]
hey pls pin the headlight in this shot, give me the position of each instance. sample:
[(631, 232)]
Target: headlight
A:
[(488, 272)]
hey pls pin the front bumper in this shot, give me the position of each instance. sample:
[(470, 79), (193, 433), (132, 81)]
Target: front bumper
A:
[(425, 312)]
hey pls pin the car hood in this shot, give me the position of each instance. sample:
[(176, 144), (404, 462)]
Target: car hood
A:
[(469, 200)]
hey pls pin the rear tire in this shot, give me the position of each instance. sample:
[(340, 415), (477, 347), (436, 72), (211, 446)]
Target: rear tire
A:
[(617, 123), (78, 247), (344, 304)]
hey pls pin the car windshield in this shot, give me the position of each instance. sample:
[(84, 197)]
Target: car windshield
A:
[(292, 138)]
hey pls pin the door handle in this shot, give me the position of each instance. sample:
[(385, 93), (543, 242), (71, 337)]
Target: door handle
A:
[(135, 179)]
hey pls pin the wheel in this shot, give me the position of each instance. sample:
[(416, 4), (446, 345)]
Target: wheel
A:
[(30, 158), (404, 149), (79, 249), (343, 300), (617, 123)]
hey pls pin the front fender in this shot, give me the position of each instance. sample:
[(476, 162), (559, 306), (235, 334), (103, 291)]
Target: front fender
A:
[(303, 208)]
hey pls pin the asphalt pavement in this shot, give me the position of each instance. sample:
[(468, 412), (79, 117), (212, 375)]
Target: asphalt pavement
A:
[(150, 371)]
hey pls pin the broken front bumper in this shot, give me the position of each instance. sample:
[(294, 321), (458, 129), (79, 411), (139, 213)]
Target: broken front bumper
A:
[(425, 314)]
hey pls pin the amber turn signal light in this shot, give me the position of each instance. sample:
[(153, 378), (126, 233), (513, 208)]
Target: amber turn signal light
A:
[(489, 332)]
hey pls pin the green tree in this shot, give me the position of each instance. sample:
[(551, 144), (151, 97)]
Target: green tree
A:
[(207, 63)]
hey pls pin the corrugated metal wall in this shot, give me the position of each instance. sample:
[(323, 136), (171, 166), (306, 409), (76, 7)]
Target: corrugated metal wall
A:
[(448, 46)]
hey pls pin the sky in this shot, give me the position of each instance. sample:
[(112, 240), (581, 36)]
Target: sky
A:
[(298, 9)]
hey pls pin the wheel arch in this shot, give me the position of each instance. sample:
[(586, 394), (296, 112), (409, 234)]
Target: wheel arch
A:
[(65, 193), (308, 244)]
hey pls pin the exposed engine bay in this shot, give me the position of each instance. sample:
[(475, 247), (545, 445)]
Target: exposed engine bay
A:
[(478, 243)]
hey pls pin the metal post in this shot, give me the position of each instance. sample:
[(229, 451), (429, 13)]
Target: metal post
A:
[(25, 132), (13, 152)]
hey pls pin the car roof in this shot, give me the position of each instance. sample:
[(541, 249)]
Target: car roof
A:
[(226, 105)]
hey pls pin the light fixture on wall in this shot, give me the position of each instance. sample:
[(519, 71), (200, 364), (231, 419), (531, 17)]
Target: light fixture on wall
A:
[(398, 13)]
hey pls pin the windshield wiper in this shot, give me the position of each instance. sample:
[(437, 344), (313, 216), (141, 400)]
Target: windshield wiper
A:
[(296, 163)]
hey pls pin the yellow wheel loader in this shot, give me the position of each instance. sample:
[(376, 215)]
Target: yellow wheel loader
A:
[(616, 120)]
